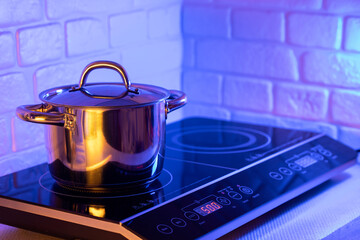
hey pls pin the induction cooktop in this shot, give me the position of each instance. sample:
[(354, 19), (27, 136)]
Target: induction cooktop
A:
[(217, 176)]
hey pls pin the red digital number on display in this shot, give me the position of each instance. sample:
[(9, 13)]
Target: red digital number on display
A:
[(207, 208)]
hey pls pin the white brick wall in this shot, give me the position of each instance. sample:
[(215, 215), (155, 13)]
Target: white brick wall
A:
[(5, 128), (314, 30), (332, 68), (47, 43), (40, 44), (14, 91), (287, 63), (300, 101), (203, 87), (344, 107), (85, 36), (205, 21), (58, 9), (248, 93), (352, 34), (148, 59), (265, 25), (7, 50), (128, 28), (343, 6), (251, 58), (270, 4), (16, 12)]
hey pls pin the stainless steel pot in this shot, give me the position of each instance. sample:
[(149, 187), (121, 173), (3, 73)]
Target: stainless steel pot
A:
[(102, 136)]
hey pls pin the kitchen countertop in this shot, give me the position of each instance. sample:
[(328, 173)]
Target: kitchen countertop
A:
[(329, 211)]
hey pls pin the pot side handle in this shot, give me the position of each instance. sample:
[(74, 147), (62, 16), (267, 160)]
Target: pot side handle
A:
[(176, 100), (40, 113)]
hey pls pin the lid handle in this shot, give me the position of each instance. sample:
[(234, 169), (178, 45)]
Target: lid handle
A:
[(104, 64)]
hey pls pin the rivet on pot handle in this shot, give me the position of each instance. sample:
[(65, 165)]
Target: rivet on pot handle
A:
[(176, 100), (104, 64), (40, 113)]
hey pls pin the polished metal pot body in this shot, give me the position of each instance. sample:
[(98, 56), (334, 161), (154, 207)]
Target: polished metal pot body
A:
[(104, 142), (107, 148)]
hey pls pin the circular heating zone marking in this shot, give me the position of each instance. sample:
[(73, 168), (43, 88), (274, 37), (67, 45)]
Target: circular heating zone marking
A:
[(48, 183), (215, 140)]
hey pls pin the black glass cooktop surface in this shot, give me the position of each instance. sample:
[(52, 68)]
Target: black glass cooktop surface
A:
[(198, 152)]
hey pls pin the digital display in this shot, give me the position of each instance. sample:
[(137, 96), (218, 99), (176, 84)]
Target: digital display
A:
[(305, 161), (207, 208)]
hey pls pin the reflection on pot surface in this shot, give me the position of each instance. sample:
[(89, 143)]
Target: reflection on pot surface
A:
[(109, 148), (108, 205), (103, 136)]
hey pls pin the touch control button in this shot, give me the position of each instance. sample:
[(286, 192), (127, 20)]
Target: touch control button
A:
[(178, 222), (246, 190), (294, 166), (191, 216), (165, 229), (235, 195), (223, 200), (276, 175), (285, 171)]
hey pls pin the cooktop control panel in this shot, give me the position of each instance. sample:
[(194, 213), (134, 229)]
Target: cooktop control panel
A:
[(254, 190)]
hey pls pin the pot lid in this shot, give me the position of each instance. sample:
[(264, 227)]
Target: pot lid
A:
[(104, 94)]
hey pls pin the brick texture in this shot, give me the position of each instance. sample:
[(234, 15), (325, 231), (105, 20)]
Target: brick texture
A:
[(248, 93), (153, 3), (264, 60), (262, 25), (85, 36), (273, 4), (351, 6), (314, 30), (350, 136), (57, 9), (197, 21), (21, 160), (15, 90), (300, 101), (39, 44), (344, 107), (128, 28), (149, 59), (7, 50), (55, 75), (173, 20), (188, 52), (328, 68), (203, 87), (27, 134), (156, 18), (352, 34), (197, 1), (164, 22), (15, 12), (5, 137)]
